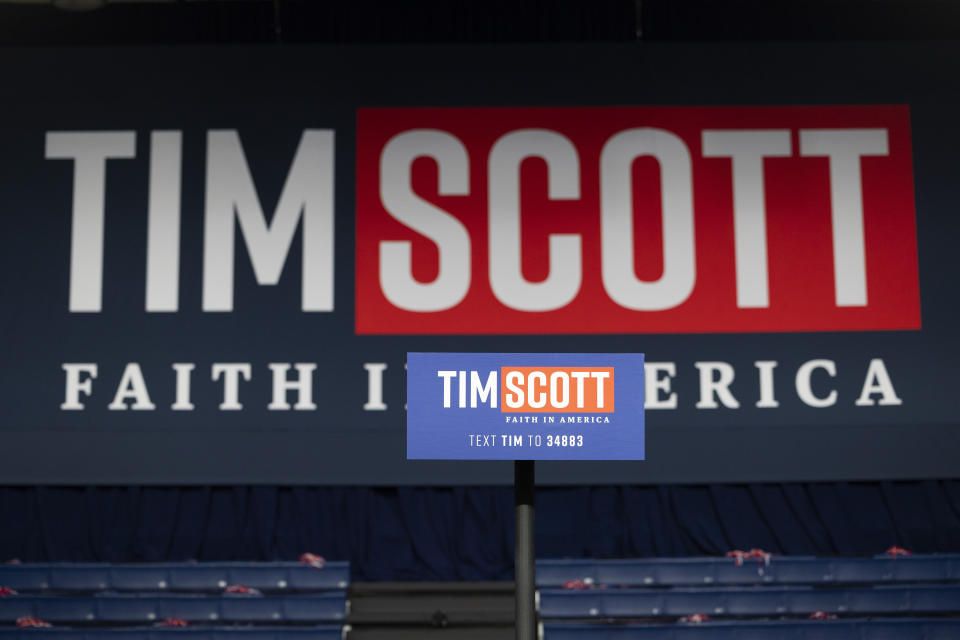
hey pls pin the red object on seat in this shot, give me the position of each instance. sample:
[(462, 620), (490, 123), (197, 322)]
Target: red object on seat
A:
[(32, 622), (239, 588), (173, 622), (759, 554), (898, 551), (822, 615), (575, 585), (7, 591), (696, 618), (313, 560)]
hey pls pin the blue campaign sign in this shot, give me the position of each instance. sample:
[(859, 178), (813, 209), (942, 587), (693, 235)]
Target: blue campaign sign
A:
[(525, 406)]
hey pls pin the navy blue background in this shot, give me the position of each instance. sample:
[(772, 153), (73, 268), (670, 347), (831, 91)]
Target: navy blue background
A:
[(270, 96), (467, 533)]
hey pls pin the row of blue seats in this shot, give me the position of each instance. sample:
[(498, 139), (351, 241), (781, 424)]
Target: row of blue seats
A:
[(323, 607), (208, 576), (293, 576), (779, 570), (847, 629), (748, 601), (850, 629), (324, 632)]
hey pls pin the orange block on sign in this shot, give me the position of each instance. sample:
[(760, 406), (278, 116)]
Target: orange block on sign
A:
[(556, 390)]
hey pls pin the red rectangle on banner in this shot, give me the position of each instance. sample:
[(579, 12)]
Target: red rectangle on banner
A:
[(635, 220)]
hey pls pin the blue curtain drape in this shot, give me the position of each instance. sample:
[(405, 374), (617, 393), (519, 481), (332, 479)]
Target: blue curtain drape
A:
[(466, 533)]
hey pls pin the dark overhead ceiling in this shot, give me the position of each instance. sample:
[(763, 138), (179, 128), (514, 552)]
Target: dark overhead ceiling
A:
[(39, 22)]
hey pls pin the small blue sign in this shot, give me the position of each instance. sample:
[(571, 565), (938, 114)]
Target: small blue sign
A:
[(525, 406)]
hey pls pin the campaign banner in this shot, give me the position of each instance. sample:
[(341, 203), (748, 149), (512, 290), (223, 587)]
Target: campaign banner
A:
[(525, 406), (216, 260)]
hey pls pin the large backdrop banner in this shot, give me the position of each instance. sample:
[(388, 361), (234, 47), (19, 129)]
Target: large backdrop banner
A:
[(215, 260)]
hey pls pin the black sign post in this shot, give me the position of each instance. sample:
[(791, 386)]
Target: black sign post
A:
[(524, 567)]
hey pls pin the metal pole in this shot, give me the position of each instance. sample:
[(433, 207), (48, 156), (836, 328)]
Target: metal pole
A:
[(523, 483)]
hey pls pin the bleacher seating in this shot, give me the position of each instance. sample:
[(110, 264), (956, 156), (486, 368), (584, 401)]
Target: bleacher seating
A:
[(845, 629), (145, 609), (325, 632), (748, 601), (753, 597), (785, 570), (173, 577), (277, 600), (882, 598)]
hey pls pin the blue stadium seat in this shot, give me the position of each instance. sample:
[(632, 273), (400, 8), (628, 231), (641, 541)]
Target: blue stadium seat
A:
[(322, 632), (755, 601), (269, 577), (818, 571), (142, 609), (553, 573), (308, 608), (680, 572), (929, 598), (753, 572), (198, 577), (49, 608), (333, 576), (843, 629), (924, 568), (23, 577), (186, 577), (81, 578), (268, 609), (140, 577)]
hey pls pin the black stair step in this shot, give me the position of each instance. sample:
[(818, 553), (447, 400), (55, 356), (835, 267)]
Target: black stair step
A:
[(471, 607), (456, 633)]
